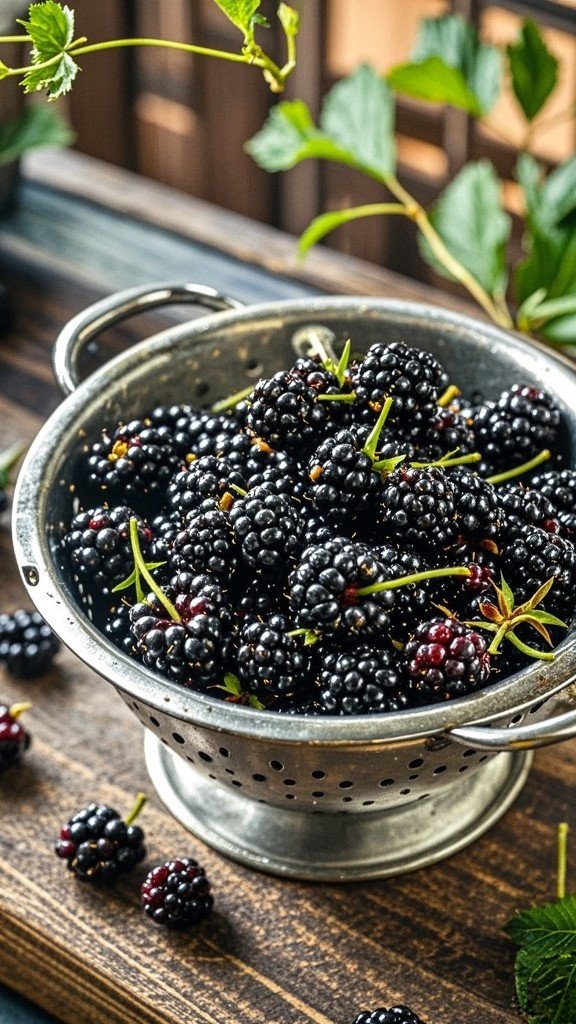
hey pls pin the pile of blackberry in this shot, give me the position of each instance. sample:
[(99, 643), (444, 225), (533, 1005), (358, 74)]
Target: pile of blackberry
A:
[(254, 555)]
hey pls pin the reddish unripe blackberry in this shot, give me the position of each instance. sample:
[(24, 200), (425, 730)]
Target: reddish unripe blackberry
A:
[(177, 893), (27, 644), (266, 526), (271, 661), (411, 377), (531, 558), (476, 503), (559, 487), (361, 680), (98, 846), (98, 547), (206, 543), (206, 477), (417, 506), (524, 506), (14, 739), (343, 485), (133, 462), (324, 590), (395, 1015), (285, 412), (444, 659), (521, 423)]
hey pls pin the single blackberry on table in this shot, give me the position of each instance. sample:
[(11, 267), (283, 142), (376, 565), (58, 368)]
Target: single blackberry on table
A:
[(444, 659), (412, 378), (133, 463), (417, 506), (267, 527), (98, 845), (14, 738), (27, 644), (524, 506), (205, 543), (395, 1015), (476, 503), (206, 477), (361, 680), (99, 550), (269, 660), (286, 413), (177, 893), (559, 487), (532, 557), (324, 590), (511, 430), (343, 485)]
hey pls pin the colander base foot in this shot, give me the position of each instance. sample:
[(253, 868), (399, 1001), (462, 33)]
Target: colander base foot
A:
[(342, 846)]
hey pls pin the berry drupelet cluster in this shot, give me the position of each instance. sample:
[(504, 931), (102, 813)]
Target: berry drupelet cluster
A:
[(395, 1015), (98, 845), (27, 644), (350, 538)]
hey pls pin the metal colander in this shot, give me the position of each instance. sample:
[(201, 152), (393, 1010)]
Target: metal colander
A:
[(319, 798)]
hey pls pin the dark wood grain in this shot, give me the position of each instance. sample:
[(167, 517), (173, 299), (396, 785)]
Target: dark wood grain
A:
[(274, 951)]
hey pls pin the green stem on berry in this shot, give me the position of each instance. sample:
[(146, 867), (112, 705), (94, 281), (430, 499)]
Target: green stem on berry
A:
[(232, 400), (15, 710), (371, 445), (141, 799), (239, 490), (449, 395), (141, 567), (346, 396), (415, 577), (530, 652), (561, 858), (310, 637), (8, 460), (446, 461), (526, 467), (342, 367)]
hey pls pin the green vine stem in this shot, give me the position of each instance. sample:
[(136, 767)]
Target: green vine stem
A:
[(141, 799), (561, 860), (141, 568), (416, 577), (526, 467)]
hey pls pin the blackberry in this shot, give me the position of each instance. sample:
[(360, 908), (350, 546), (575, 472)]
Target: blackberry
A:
[(117, 629), (99, 550), (448, 431), (532, 557), (269, 660), (133, 462), (476, 503), (260, 595), (266, 526), (206, 543), (98, 846), (559, 487), (344, 486), (395, 1015), (412, 601), (189, 651), (444, 659), (206, 477), (14, 739), (177, 893), (281, 475), (411, 377), (361, 680), (417, 506), (165, 528), (27, 644), (521, 423), (524, 506), (324, 590), (311, 370), (285, 412)]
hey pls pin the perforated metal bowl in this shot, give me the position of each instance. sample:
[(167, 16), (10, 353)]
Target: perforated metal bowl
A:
[(308, 797)]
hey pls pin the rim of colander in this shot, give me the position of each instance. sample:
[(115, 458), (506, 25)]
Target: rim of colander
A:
[(60, 609)]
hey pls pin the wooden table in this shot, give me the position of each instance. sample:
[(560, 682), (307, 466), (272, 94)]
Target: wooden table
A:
[(275, 951)]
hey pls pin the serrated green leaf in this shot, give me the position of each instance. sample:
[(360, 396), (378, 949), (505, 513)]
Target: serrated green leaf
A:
[(56, 79), (289, 19), (244, 15), (533, 69), (470, 218), (50, 27), (289, 136), (36, 126), (456, 42), (546, 988), (435, 81), (546, 929)]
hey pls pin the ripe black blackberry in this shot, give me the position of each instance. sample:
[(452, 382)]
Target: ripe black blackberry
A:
[(267, 527), (524, 506), (361, 680), (177, 893), (417, 506), (27, 644), (259, 595), (194, 431), (343, 485), (98, 846), (414, 379), (521, 423), (133, 463), (444, 659), (324, 590), (206, 542), (14, 738), (447, 431), (395, 1015), (206, 477), (477, 507), (286, 413), (559, 487), (117, 629), (191, 650), (98, 548), (413, 601), (312, 371), (532, 557), (269, 660)]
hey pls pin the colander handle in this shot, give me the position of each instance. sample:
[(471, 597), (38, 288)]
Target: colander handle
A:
[(522, 737), (119, 306)]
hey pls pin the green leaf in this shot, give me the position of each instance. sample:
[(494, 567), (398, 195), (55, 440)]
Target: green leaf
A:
[(559, 191), (326, 222), (289, 19), (244, 14), (472, 223), (457, 45), (50, 27), (533, 69), (547, 929), (35, 127), (546, 964), (434, 80), (56, 79), (356, 129)]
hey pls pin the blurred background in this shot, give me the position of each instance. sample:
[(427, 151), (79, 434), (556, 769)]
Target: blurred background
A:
[(184, 121)]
